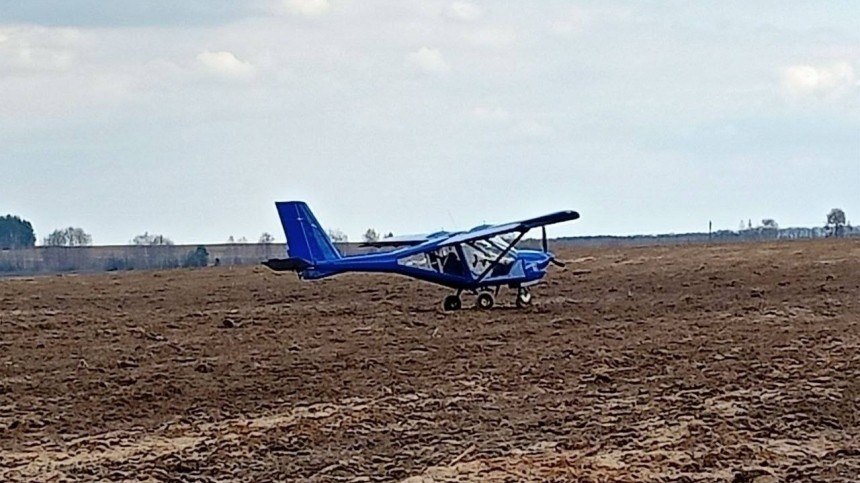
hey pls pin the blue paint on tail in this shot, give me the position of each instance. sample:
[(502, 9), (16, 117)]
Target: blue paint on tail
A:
[(306, 239)]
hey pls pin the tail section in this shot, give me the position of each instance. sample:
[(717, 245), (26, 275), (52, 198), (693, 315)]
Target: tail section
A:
[(306, 239)]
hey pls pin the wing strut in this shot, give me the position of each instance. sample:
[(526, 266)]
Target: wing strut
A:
[(499, 258)]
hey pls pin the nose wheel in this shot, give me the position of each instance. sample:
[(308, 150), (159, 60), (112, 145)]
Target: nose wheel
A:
[(524, 297)]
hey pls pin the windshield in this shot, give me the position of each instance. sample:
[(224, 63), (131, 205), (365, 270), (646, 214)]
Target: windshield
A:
[(493, 247), (482, 254)]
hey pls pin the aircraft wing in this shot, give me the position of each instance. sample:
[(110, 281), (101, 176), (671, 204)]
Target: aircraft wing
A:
[(397, 241), (517, 226)]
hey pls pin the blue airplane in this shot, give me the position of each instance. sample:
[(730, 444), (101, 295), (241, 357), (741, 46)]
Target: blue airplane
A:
[(480, 260)]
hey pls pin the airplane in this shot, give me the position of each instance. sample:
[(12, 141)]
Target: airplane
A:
[(479, 261)]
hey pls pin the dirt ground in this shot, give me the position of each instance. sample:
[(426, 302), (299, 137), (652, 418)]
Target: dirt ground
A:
[(734, 363)]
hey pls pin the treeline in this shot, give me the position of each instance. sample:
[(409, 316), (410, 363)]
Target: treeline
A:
[(17, 233), (835, 226), (40, 260), (70, 249), (720, 236)]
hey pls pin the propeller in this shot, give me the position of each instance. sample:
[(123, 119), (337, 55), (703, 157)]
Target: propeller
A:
[(543, 241)]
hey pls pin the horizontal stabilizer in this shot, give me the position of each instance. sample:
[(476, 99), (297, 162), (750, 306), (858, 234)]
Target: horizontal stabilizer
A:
[(294, 264)]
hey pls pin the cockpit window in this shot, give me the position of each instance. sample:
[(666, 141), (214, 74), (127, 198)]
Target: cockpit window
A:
[(478, 256), (481, 254), (493, 247)]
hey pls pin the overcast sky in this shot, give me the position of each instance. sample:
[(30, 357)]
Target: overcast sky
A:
[(191, 118)]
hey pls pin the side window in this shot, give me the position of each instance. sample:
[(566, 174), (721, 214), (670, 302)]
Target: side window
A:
[(476, 259), (419, 260), (444, 260), (449, 261)]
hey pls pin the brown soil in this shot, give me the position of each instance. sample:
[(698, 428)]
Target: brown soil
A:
[(731, 363)]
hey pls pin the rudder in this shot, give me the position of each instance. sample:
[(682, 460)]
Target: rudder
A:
[(305, 237)]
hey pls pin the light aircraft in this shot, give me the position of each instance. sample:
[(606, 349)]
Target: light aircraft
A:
[(480, 260)]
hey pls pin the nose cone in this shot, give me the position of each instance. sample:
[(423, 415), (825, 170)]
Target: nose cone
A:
[(535, 259)]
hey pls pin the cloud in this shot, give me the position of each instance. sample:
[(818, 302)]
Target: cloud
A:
[(572, 23), (532, 130), (428, 60), (492, 37), (488, 115), (463, 11), (822, 81), (38, 48), (224, 64), (579, 19), (307, 8)]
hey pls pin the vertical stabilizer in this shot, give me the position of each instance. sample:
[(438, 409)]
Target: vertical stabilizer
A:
[(305, 236)]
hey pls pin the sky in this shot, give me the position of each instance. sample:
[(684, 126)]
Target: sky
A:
[(190, 119)]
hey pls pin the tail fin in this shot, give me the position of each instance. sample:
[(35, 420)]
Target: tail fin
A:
[(306, 239)]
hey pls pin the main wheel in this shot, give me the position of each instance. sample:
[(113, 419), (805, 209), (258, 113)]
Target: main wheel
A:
[(524, 297), (451, 303), (485, 300)]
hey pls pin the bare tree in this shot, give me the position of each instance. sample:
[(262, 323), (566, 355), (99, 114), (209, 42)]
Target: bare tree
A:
[(151, 240), (266, 240), (370, 235), (835, 222), (337, 236), (161, 240), (57, 238), (68, 237)]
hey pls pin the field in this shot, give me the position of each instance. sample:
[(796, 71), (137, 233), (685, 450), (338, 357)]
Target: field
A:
[(732, 363)]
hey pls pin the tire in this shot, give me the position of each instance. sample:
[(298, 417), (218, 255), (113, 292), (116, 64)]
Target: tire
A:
[(524, 298), (452, 303), (485, 301)]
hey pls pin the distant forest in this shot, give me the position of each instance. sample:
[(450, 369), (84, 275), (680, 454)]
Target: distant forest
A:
[(720, 236), (835, 226)]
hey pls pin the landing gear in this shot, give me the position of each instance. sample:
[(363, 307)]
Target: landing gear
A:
[(452, 303), (485, 301), (524, 297)]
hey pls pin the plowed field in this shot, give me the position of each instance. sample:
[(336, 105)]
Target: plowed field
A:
[(735, 363)]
